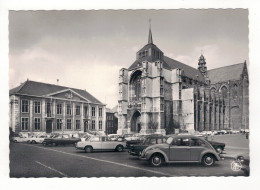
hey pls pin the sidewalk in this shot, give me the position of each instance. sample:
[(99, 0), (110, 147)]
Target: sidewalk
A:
[(235, 144)]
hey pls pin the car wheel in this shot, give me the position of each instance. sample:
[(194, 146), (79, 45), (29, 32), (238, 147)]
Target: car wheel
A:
[(54, 144), (44, 143), (15, 141), (88, 149), (208, 160), (219, 150), (156, 160), (119, 148), (33, 142)]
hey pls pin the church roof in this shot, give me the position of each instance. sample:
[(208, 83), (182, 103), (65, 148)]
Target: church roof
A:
[(188, 70), (171, 64), (34, 88), (231, 72)]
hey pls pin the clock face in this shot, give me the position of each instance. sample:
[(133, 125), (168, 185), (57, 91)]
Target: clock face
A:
[(203, 69)]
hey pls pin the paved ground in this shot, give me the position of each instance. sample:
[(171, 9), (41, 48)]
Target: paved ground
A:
[(28, 160), (235, 144)]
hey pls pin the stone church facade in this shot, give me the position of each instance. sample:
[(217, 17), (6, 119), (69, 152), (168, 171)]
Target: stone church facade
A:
[(158, 94)]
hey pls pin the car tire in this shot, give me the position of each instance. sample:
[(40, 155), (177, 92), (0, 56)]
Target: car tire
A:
[(156, 160), (119, 148), (88, 149), (15, 141), (54, 144), (208, 160), (219, 150), (33, 142)]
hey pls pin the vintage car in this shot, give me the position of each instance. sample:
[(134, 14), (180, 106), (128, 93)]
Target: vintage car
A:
[(179, 149), (113, 137), (20, 139), (61, 139), (37, 139), (136, 149), (100, 143)]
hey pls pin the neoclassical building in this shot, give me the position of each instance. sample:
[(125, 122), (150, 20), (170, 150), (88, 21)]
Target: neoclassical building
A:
[(158, 94), (37, 107)]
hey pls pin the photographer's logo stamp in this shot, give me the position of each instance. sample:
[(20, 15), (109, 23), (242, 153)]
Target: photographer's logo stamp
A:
[(236, 166)]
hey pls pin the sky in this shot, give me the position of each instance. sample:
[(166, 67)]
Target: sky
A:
[(86, 49)]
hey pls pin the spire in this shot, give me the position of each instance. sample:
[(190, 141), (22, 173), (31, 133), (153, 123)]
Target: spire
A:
[(150, 38)]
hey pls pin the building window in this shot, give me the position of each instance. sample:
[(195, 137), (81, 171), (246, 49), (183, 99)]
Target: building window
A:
[(100, 112), (25, 106), (77, 110), (100, 125), (77, 124), (93, 124), (59, 124), (37, 123), (25, 124), (162, 107), (37, 107), (68, 123), (68, 109), (59, 109), (93, 111), (161, 91)]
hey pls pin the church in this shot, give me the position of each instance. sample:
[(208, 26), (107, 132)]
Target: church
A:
[(158, 94)]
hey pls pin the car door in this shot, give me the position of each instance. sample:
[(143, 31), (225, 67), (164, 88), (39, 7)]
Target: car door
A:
[(197, 146), (106, 144), (180, 149), (96, 143)]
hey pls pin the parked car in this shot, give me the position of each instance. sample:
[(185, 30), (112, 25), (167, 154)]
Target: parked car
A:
[(113, 137), (37, 139), (20, 139), (136, 149), (218, 146), (181, 148), (235, 131), (244, 161), (61, 139), (100, 143)]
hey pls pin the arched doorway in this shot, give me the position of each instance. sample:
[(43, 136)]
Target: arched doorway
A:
[(136, 122)]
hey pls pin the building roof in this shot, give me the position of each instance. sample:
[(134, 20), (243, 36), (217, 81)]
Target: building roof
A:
[(188, 70), (114, 109), (34, 88), (231, 72), (108, 110)]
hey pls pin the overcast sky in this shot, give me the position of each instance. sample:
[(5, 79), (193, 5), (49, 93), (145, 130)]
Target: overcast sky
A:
[(86, 49)]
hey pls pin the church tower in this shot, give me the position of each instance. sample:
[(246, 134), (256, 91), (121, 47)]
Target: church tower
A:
[(202, 66)]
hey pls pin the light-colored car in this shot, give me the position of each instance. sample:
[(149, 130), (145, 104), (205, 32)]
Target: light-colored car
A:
[(20, 139), (113, 137), (36, 139), (179, 149), (100, 143)]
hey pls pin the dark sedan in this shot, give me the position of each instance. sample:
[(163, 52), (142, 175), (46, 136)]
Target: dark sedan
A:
[(136, 149), (60, 140)]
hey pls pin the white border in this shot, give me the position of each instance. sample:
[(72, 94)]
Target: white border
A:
[(133, 183)]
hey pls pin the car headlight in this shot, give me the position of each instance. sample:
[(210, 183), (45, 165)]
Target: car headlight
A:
[(240, 159)]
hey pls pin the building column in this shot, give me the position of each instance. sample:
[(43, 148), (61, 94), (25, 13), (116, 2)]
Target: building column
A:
[(81, 117), (63, 126), (54, 115), (43, 122), (73, 117)]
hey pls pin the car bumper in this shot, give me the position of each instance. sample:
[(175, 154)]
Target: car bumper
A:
[(132, 153), (79, 148)]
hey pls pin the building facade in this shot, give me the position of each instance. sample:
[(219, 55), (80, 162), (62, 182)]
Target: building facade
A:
[(158, 94), (39, 107), (111, 122)]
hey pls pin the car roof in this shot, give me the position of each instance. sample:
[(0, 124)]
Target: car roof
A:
[(185, 136)]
